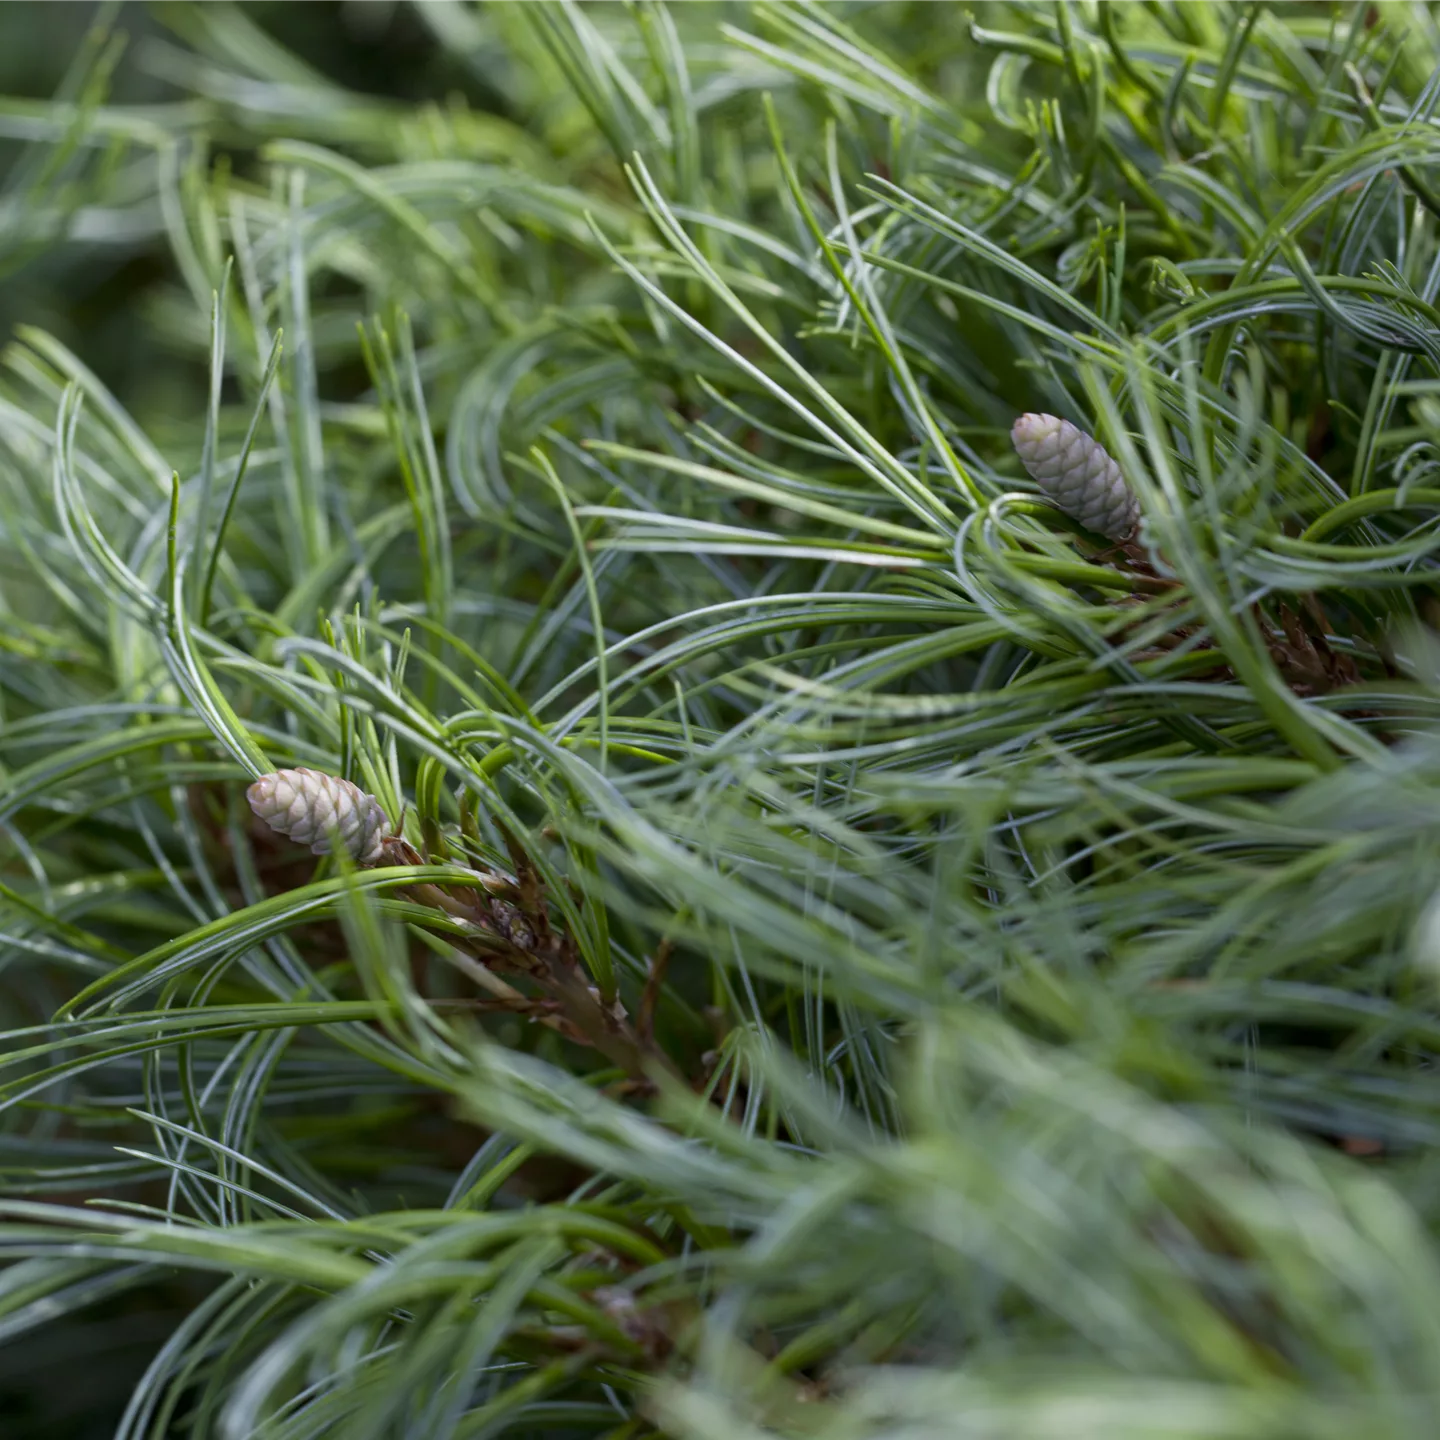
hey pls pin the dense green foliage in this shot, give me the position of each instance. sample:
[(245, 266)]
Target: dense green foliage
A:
[(597, 448)]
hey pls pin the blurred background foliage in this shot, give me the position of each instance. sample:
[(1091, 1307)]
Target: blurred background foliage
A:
[(104, 282)]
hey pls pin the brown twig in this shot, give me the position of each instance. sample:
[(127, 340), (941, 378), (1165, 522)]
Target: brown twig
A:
[(1300, 651), (507, 926), (654, 981)]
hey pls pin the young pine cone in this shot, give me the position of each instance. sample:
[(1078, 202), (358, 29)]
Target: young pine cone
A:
[(307, 805), (1077, 473)]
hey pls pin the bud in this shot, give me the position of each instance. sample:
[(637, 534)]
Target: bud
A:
[(1076, 472), (307, 805)]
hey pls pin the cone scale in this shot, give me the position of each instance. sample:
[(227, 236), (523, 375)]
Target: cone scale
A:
[(309, 806), (1077, 473)]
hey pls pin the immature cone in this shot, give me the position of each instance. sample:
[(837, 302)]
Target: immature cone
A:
[(307, 805), (1075, 471)]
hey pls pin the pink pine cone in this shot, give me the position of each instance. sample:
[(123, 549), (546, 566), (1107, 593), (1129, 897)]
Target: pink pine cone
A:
[(1076, 472), (307, 805)]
